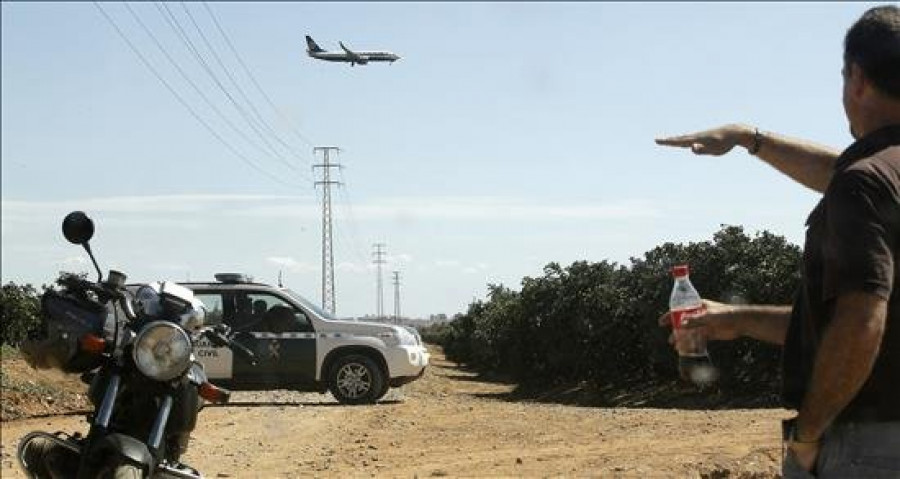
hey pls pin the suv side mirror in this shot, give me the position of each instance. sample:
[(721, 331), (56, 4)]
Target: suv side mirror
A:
[(78, 228)]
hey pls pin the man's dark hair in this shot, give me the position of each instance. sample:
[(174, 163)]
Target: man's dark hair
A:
[(873, 43)]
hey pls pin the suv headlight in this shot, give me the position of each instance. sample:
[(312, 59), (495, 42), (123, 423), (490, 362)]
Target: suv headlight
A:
[(406, 338), (162, 351)]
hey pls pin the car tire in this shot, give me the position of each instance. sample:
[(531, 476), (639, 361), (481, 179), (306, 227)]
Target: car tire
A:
[(356, 379), (384, 391)]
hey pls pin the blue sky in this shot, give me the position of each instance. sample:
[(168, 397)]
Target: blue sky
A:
[(508, 136)]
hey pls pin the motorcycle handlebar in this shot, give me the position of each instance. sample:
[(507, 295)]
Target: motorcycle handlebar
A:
[(218, 339), (105, 292), (243, 351)]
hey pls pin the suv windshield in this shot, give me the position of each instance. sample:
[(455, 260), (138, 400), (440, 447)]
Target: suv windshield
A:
[(309, 305)]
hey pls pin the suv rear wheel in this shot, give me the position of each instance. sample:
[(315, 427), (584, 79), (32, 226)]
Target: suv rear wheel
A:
[(356, 379)]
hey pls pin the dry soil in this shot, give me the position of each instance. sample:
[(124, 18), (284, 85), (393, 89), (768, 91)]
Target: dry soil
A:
[(450, 423)]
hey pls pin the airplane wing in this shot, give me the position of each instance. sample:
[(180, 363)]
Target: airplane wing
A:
[(354, 57), (348, 51)]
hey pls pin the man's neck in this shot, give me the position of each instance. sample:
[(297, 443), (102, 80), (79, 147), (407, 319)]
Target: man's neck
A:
[(886, 113)]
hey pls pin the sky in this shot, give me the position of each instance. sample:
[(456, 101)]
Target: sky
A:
[(508, 136)]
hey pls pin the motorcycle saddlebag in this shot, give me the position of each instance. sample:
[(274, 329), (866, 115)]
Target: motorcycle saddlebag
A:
[(65, 320)]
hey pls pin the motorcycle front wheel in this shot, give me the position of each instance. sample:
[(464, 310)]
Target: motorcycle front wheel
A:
[(122, 471), (127, 471), (43, 458)]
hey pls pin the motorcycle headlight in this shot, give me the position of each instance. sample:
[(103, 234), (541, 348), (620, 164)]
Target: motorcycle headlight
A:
[(162, 351)]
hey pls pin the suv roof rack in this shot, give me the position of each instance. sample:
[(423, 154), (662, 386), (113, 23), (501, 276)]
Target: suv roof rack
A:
[(233, 278)]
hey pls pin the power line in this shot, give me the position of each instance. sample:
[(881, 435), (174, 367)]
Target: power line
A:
[(185, 38), (184, 103), (262, 92), (344, 243), (193, 85), (240, 90), (348, 241), (355, 242), (344, 239)]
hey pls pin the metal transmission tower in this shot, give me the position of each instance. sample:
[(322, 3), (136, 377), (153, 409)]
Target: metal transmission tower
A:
[(328, 301), (379, 282), (397, 297)]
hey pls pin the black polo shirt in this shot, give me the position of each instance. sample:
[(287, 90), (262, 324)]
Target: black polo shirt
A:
[(852, 245)]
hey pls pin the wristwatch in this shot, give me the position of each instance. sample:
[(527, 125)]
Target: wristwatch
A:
[(789, 433)]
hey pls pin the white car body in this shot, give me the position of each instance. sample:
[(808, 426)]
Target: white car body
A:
[(304, 348)]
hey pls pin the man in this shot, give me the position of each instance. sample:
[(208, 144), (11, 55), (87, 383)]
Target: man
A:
[(841, 337)]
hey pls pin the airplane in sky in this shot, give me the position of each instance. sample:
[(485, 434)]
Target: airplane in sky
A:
[(349, 56)]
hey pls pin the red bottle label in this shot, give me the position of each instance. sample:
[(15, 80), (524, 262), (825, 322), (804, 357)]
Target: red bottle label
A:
[(680, 315)]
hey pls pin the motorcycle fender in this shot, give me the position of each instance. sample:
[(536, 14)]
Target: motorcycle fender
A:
[(183, 418), (127, 447)]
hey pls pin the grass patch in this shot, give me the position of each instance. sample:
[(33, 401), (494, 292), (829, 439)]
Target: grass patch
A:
[(27, 386), (9, 352), (29, 392)]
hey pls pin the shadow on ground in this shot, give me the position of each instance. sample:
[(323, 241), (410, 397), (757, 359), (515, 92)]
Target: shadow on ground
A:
[(294, 404), (634, 393)]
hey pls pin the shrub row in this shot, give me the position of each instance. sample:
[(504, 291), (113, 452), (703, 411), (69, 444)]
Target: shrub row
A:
[(597, 322)]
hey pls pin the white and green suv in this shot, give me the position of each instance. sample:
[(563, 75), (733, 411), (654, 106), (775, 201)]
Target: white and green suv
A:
[(298, 346)]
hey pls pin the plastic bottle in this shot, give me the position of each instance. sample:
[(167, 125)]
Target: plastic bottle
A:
[(694, 363)]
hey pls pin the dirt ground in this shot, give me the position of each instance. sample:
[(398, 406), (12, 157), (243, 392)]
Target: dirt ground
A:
[(449, 423)]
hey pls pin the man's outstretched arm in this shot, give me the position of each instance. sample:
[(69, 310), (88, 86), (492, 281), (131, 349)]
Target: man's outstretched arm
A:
[(807, 163)]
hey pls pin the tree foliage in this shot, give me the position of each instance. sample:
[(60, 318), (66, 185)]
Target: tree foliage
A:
[(19, 312), (597, 322)]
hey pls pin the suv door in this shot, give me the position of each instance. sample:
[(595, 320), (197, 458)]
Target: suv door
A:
[(218, 362), (280, 334)]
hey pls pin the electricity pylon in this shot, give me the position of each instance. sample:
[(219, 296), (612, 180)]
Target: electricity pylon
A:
[(328, 299)]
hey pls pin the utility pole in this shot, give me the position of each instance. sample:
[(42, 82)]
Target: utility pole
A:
[(397, 297), (328, 300), (379, 286)]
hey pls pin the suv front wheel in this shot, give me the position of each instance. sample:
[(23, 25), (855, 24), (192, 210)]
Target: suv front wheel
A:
[(357, 379)]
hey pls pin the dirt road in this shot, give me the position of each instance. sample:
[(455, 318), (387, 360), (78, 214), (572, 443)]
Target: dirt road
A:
[(450, 424)]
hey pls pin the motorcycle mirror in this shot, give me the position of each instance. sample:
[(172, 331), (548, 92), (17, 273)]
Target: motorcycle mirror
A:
[(78, 228)]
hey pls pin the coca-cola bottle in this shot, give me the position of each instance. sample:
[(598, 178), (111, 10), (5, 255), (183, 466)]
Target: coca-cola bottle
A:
[(694, 363)]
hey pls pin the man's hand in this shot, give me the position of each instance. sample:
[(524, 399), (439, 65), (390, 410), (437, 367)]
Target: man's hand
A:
[(805, 453), (716, 322), (717, 141)]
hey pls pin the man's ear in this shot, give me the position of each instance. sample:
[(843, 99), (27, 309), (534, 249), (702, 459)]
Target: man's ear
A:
[(858, 81)]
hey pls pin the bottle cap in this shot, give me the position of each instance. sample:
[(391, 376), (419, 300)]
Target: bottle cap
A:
[(680, 270)]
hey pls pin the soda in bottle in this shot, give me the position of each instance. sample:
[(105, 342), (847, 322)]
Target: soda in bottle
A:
[(694, 363)]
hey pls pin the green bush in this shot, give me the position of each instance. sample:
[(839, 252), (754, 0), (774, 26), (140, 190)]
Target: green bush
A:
[(19, 312), (597, 322), (435, 333)]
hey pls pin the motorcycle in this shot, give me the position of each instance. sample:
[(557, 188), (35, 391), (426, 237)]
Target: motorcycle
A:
[(133, 347)]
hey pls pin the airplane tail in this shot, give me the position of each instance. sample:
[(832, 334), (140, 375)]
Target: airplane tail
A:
[(312, 46)]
